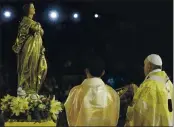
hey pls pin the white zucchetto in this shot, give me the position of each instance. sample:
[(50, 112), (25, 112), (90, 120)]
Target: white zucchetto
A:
[(155, 59)]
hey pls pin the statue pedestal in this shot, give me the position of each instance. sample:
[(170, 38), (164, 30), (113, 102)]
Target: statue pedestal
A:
[(30, 124)]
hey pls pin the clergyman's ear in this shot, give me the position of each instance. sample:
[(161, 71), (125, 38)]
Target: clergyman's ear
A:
[(86, 70), (103, 73), (149, 66)]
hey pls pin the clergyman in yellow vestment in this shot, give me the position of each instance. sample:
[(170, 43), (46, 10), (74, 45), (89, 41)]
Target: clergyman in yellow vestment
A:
[(153, 103), (93, 103)]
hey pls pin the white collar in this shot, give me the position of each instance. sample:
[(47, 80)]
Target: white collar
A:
[(156, 70), (93, 82)]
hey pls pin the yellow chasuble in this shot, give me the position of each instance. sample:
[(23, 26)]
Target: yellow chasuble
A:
[(153, 102), (92, 104)]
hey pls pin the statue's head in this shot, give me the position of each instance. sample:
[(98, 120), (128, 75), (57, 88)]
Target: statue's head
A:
[(29, 9)]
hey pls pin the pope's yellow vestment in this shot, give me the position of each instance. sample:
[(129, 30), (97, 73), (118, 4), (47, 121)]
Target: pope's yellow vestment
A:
[(151, 105)]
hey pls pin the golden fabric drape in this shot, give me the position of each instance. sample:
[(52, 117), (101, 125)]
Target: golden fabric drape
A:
[(92, 104), (31, 63)]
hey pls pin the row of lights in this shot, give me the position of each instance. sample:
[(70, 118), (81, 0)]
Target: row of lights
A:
[(53, 15)]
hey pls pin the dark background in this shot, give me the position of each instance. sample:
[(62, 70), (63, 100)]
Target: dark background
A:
[(123, 36)]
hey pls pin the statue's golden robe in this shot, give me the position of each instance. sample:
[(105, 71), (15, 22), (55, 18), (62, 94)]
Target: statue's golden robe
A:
[(92, 104), (151, 105), (31, 63)]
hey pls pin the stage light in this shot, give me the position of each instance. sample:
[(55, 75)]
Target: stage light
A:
[(96, 15), (53, 15), (75, 15), (7, 14)]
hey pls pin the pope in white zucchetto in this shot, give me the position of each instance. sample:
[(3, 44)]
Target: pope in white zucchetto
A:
[(153, 103)]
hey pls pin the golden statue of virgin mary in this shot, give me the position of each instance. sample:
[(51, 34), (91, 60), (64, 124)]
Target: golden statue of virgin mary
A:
[(31, 62)]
